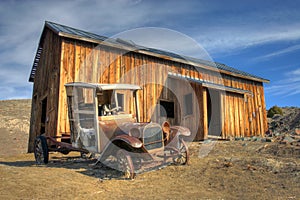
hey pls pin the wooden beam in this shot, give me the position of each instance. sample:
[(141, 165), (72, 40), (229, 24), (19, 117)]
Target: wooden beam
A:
[(205, 122)]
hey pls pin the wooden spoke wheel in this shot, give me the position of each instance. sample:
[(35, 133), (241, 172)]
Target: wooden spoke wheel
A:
[(41, 153), (182, 157), (125, 165)]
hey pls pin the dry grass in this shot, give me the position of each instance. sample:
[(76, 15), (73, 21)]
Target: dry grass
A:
[(14, 126)]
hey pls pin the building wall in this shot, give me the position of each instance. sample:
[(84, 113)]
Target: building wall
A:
[(87, 63), (242, 114), (67, 60), (45, 89)]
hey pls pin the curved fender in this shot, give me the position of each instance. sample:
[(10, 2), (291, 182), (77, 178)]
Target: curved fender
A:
[(180, 130), (132, 141), (110, 147)]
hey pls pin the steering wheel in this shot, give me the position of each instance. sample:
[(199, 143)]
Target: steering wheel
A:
[(109, 111), (116, 109)]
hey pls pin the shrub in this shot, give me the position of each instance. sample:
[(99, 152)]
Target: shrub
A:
[(274, 110)]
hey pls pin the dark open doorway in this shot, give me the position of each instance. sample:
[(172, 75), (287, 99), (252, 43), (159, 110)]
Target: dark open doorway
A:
[(214, 113), (43, 116)]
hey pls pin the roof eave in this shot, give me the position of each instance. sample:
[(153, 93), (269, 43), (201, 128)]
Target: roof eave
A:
[(115, 86), (37, 55)]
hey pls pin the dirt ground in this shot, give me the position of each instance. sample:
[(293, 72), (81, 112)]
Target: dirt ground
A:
[(217, 170)]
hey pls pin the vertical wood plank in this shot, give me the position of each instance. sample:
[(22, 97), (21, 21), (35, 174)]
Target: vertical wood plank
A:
[(241, 116), (222, 115), (264, 110), (232, 120), (205, 122)]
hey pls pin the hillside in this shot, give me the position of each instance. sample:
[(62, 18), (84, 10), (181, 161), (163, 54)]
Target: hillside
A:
[(288, 123), (14, 126)]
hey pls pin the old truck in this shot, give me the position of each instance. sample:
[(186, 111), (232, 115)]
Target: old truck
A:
[(104, 121)]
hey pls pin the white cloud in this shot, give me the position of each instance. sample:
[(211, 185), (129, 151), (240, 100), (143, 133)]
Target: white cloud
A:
[(232, 38), (288, 86), (15, 92), (280, 52), (294, 73)]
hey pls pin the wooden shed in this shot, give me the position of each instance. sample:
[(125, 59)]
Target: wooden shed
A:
[(210, 98)]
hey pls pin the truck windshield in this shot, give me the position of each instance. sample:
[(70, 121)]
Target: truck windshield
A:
[(115, 102)]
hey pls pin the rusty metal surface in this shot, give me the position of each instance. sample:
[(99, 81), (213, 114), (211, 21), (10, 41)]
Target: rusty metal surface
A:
[(62, 147), (132, 141), (180, 130)]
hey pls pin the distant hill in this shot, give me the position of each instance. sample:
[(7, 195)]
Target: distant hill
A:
[(14, 126)]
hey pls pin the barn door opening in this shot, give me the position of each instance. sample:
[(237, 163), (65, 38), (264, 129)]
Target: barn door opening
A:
[(43, 116), (214, 113)]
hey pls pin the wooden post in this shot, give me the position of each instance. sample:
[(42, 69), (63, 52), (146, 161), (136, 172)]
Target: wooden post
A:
[(222, 112), (205, 122)]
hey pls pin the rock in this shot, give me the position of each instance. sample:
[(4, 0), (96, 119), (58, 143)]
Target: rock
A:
[(239, 139), (207, 141), (255, 138), (247, 139), (250, 167), (288, 139), (289, 122), (266, 140), (228, 164)]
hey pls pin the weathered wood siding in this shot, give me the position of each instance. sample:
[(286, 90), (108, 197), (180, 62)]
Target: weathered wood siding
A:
[(67, 60), (89, 63), (241, 115), (46, 87)]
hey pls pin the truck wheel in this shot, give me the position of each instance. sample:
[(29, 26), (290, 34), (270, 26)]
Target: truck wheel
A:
[(183, 154), (125, 165), (41, 153)]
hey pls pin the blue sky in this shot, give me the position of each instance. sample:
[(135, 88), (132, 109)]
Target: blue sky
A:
[(259, 37)]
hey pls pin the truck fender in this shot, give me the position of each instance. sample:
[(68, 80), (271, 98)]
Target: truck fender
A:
[(132, 141), (121, 141), (180, 130)]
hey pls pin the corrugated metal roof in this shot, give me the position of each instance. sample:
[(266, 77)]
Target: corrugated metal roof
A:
[(66, 31), (58, 28)]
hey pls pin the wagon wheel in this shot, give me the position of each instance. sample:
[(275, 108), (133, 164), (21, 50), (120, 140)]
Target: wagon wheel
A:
[(183, 154), (41, 153), (125, 164)]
